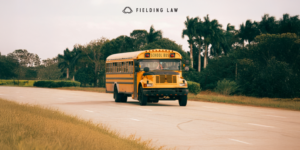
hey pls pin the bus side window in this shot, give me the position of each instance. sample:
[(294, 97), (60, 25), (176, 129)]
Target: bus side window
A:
[(123, 66), (115, 67), (131, 66), (126, 66)]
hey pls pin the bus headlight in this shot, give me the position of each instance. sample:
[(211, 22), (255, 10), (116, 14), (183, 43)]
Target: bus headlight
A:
[(182, 84), (149, 85)]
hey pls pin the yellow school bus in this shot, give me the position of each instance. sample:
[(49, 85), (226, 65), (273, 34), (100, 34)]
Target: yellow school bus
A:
[(146, 76)]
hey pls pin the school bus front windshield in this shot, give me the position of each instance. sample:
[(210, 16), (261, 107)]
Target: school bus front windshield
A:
[(161, 64)]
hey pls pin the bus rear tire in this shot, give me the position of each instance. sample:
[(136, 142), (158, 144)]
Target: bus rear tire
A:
[(142, 98), (182, 100), (117, 96), (156, 100), (124, 98)]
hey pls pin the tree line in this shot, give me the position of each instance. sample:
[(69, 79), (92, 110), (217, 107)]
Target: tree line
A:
[(230, 54)]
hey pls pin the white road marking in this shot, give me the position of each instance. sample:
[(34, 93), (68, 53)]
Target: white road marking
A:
[(240, 141), (275, 116), (209, 107), (145, 109), (135, 119), (261, 125), (88, 110), (1, 94)]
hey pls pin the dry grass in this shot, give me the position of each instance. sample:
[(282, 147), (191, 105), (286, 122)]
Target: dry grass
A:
[(208, 96), (32, 127)]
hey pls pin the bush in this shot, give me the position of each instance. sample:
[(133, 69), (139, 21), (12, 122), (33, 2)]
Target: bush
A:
[(193, 87), (54, 84), (226, 87)]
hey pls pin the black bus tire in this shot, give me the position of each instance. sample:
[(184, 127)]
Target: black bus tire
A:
[(117, 96), (182, 100), (142, 98)]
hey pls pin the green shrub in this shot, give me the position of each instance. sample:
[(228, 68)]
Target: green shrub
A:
[(193, 87), (55, 84), (226, 87)]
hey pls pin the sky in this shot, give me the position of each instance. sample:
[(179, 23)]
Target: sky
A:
[(48, 27)]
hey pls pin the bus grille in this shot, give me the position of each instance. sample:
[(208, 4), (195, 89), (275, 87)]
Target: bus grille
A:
[(165, 78)]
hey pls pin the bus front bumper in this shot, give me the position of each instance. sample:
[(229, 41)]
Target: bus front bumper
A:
[(166, 92)]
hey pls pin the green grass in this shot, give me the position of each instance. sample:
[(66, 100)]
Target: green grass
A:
[(33, 127), (90, 89), (292, 104), (25, 83)]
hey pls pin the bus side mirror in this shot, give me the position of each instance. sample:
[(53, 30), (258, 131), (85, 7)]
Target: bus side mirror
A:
[(146, 69)]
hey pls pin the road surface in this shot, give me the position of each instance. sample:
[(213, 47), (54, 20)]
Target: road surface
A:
[(199, 125)]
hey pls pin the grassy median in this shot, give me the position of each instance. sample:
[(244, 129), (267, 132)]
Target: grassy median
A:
[(33, 127), (292, 104)]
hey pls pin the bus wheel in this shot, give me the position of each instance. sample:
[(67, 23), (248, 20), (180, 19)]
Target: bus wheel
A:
[(124, 98), (142, 98), (182, 100), (155, 100), (117, 96)]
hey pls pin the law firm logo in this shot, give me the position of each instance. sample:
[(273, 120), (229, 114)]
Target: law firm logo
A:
[(127, 10)]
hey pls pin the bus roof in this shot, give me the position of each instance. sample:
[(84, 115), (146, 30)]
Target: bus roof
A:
[(127, 55), (135, 54)]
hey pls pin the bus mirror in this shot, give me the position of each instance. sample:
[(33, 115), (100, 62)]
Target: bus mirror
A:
[(187, 62), (186, 68), (146, 69), (136, 68)]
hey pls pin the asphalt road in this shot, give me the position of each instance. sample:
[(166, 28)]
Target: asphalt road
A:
[(199, 125)]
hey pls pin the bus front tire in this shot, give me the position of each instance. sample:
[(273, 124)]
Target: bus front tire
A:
[(117, 96), (142, 98), (182, 100)]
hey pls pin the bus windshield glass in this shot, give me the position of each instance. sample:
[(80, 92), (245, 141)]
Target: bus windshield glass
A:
[(160, 64)]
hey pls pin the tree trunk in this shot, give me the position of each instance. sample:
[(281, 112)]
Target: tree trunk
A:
[(236, 72), (205, 55), (96, 75), (67, 73), (191, 54), (199, 61), (74, 73)]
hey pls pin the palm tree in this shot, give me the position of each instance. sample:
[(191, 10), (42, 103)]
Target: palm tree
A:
[(65, 60), (190, 32), (199, 40), (217, 38), (242, 34), (289, 24), (229, 38), (251, 30), (268, 25), (153, 35)]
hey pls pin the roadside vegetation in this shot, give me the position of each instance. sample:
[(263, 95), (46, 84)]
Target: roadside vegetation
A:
[(284, 103), (34, 127), (26, 83)]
